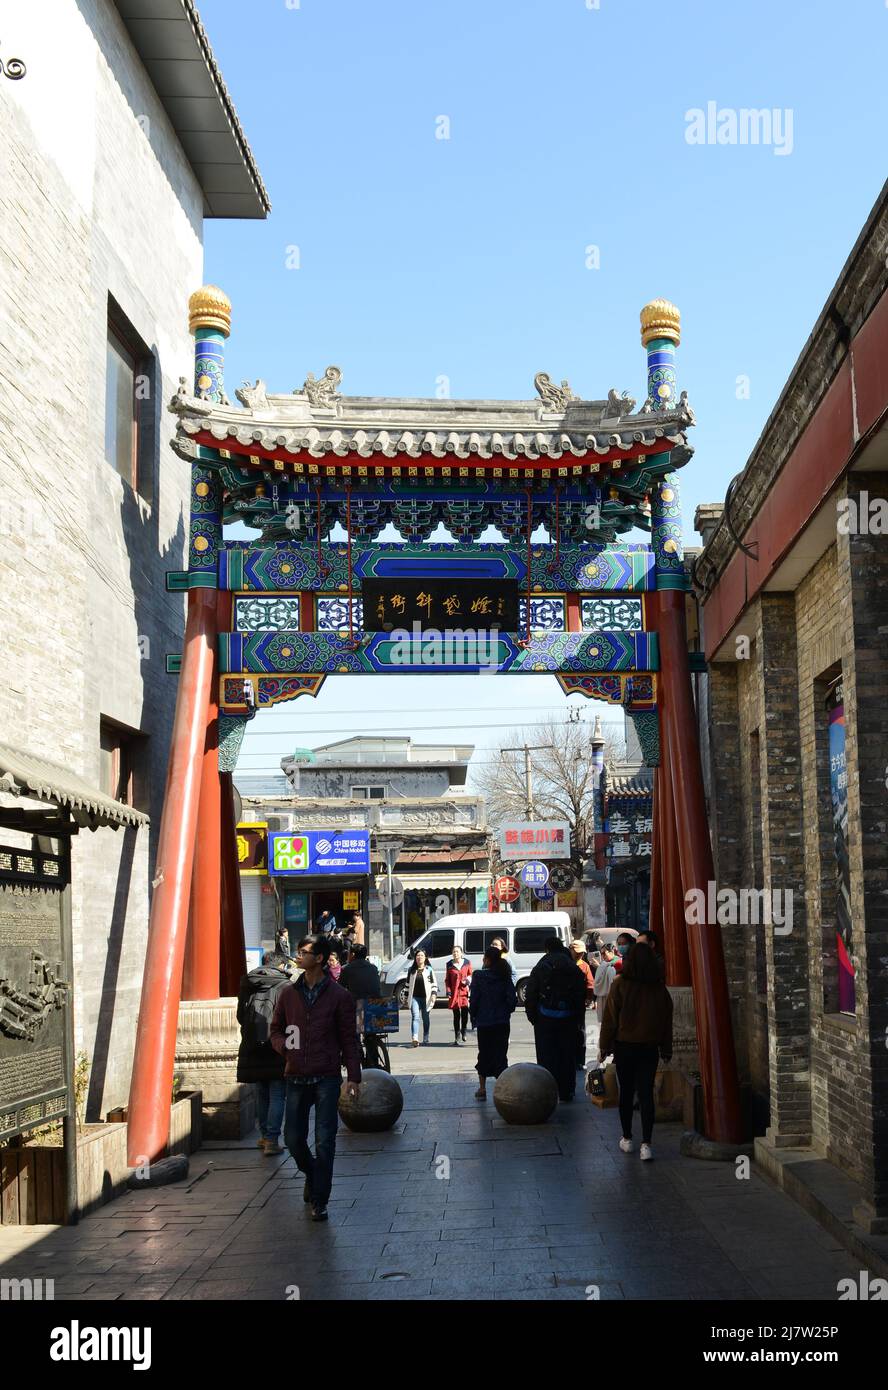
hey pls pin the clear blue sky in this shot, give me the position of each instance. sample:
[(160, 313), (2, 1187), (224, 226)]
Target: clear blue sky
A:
[(465, 257)]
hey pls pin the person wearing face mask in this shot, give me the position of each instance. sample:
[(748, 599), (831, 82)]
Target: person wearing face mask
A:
[(604, 978), (625, 942)]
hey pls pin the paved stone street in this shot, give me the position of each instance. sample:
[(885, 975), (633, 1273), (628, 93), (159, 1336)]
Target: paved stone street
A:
[(526, 1213)]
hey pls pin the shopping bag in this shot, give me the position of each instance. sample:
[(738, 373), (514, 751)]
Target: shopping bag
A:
[(601, 1085)]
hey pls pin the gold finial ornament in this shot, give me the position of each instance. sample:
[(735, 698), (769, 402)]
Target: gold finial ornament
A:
[(209, 307), (660, 319)]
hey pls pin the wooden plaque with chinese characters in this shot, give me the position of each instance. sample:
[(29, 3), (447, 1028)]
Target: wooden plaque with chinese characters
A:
[(479, 604)]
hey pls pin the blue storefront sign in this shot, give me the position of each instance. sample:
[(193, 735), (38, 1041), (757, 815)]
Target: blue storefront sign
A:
[(293, 855), (534, 875), (544, 894)]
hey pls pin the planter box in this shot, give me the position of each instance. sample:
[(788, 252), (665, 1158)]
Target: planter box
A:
[(33, 1179)]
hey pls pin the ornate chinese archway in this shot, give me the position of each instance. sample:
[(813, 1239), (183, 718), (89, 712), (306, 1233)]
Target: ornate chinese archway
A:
[(270, 622)]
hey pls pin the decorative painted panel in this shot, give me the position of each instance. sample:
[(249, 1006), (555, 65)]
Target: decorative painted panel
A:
[(547, 613), (637, 691), (231, 736), (571, 568), (264, 691), (333, 614), (281, 653), (647, 726), (266, 614), (612, 614), (666, 536)]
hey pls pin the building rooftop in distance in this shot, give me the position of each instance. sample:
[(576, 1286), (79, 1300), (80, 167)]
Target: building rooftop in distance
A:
[(391, 750), (386, 752)]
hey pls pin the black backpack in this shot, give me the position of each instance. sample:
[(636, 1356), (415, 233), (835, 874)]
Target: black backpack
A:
[(563, 989), (258, 1013)]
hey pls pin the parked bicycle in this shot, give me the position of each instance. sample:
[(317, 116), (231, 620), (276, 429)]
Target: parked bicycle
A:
[(374, 1051)]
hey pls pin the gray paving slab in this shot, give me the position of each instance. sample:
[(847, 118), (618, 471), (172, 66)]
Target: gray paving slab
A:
[(543, 1213)]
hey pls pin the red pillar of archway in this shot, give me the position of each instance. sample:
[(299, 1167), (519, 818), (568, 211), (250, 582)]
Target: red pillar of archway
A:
[(675, 937), (200, 978), (233, 947), (655, 909), (149, 1099), (715, 1038)]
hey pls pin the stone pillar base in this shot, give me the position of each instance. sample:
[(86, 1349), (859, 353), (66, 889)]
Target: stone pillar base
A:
[(782, 1140), (207, 1044), (676, 1080), (869, 1220)]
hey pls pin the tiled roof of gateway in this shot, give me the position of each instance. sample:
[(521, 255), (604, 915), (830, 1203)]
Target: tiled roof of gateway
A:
[(639, 782), (318, 421)]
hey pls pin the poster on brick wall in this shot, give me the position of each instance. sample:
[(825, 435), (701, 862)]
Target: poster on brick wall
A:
[(838, 783)]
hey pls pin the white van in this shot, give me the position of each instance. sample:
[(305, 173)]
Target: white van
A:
[(524, 933)]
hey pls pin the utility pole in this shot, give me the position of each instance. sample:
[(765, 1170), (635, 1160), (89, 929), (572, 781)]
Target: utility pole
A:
[(527, 749), (528, 771)]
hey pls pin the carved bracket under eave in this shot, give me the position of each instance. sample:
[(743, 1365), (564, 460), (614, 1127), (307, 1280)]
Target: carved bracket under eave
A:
[(264, 691)]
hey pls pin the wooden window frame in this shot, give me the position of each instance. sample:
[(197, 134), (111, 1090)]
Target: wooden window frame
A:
[(127, 747), (126, 350), (121, 334)]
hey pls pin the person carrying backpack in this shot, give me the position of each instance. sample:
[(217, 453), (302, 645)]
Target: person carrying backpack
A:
[(257, 1061), (555, 1004)]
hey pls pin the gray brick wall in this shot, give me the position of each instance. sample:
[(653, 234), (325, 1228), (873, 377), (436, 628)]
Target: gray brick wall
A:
[(96, 198), (826, 1075)]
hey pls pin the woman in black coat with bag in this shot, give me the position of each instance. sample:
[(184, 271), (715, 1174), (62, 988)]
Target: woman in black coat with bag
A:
[(257, 1060)]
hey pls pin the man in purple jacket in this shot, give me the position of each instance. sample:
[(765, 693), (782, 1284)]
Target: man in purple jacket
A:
[(314, 1028)]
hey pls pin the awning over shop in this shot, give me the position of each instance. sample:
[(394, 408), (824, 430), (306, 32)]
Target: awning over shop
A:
[(444, 880), (319, 883), (25, 775)]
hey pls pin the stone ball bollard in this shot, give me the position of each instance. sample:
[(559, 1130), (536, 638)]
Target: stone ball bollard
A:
[(378, 1106), (525, 1094)]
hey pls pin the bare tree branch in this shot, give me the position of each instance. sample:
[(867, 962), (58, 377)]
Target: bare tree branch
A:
[(562, 777)]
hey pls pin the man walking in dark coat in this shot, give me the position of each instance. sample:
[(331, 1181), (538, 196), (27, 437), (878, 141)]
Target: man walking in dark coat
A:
[(257, 1060), (361, 977), (314, 1030), (555, 1004)]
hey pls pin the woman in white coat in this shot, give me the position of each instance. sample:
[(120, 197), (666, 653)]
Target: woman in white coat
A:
[(422, 992)]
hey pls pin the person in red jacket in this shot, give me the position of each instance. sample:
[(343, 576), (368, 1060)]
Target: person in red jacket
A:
[(314, 1028), (456, 979)]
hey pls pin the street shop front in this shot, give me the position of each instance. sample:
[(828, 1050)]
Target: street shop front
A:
[(316, 871)]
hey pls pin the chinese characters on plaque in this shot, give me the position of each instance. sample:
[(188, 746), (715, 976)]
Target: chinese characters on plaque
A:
[(442, 604), (630, 836)]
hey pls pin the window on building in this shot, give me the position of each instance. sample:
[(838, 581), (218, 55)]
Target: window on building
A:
[(129, 403), (122, 764), (364, 793)]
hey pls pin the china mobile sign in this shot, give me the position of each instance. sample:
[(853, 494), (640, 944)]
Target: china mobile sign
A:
[(528, 839), (320, 852)]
